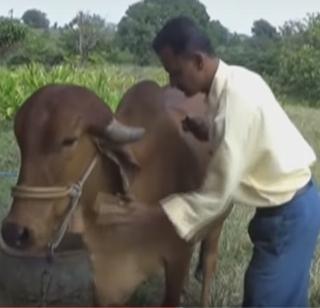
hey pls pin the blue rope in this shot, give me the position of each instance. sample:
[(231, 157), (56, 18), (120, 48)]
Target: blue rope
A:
[(8, 174)]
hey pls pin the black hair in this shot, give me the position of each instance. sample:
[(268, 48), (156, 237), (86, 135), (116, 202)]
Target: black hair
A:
[(183, 36)]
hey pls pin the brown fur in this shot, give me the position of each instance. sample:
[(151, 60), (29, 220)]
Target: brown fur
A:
[(165, 161)]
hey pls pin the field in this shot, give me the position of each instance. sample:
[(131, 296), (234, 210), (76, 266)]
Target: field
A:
[(110, 82)]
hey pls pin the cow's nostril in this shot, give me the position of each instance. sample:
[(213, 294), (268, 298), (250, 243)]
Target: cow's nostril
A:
[(14, 235), (23, 236)]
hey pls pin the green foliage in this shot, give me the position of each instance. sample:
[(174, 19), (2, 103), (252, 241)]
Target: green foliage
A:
[(39, 46), (108, 81), (144, 19), (85, 34), (299, 65), (287, 57), (114, 54), (11, 33), (218, 34), (259, 52), (263, 29), (35, 19)]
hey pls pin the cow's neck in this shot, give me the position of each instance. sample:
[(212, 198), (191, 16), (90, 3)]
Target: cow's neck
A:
[(105, 178)]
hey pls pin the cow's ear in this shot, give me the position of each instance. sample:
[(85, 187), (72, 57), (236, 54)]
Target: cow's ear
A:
[(125, 160)]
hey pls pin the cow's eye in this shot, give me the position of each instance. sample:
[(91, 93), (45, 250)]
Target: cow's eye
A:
[(67, 142)]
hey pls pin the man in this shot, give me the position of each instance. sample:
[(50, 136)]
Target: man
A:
[(260, 160)]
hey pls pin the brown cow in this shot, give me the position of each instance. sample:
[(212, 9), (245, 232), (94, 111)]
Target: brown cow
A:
[(67, 135)]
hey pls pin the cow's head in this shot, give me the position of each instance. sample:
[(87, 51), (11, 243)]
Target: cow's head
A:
[(56, 130)]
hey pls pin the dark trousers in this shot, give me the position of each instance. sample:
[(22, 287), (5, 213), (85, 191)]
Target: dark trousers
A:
[(284, 240)]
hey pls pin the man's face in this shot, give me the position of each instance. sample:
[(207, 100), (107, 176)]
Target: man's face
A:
[(185, 72)]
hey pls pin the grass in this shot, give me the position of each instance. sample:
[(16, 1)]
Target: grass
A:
[(235, 247), (108, 81), (9, 161)]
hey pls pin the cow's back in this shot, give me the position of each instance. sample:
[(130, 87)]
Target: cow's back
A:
[(171, 160)]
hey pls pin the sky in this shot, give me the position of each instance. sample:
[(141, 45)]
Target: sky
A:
[(236, 15)]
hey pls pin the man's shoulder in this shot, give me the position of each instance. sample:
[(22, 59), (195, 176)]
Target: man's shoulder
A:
[(243, 78), (247, 86)]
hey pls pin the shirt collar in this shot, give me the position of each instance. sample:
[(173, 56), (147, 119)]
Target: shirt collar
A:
[(219, 82)]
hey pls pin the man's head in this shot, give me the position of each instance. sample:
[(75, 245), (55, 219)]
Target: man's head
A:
[(186, 54)]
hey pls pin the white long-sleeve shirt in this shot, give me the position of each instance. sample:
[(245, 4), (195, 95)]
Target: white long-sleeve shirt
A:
[(260, 158)]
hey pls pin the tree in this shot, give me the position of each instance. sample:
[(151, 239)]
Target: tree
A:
[(299, 68), (219, 34), (263, 29), (38, 46), (259, 52), (11, 33), (292, 28), (35, 19), (144, 19), (86, 33)]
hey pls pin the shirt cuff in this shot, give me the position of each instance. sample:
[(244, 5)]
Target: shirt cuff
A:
[(181, 215)]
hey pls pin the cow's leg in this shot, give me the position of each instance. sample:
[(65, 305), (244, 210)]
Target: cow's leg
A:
[(208, 257), (200, 266), (176, 270), (209, 260)]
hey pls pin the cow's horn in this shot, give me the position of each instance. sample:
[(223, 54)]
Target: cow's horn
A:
[(120, 133)]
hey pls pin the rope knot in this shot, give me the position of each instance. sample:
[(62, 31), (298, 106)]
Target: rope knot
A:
[(75, 190)]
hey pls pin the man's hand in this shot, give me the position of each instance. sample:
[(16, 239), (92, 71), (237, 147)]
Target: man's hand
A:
[(129, 214), (198, 126), (140, 221), (113, 211)]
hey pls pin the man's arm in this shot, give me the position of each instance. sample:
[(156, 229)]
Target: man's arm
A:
[(184, 216), (191, 212)]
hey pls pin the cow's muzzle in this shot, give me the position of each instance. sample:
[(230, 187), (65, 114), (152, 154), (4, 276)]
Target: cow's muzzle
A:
[(14, 239)]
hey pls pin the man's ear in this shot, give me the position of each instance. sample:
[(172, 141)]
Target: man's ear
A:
[(198, 58)]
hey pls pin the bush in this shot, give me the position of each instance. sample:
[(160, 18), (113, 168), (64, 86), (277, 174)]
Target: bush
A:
[(108, 81)]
